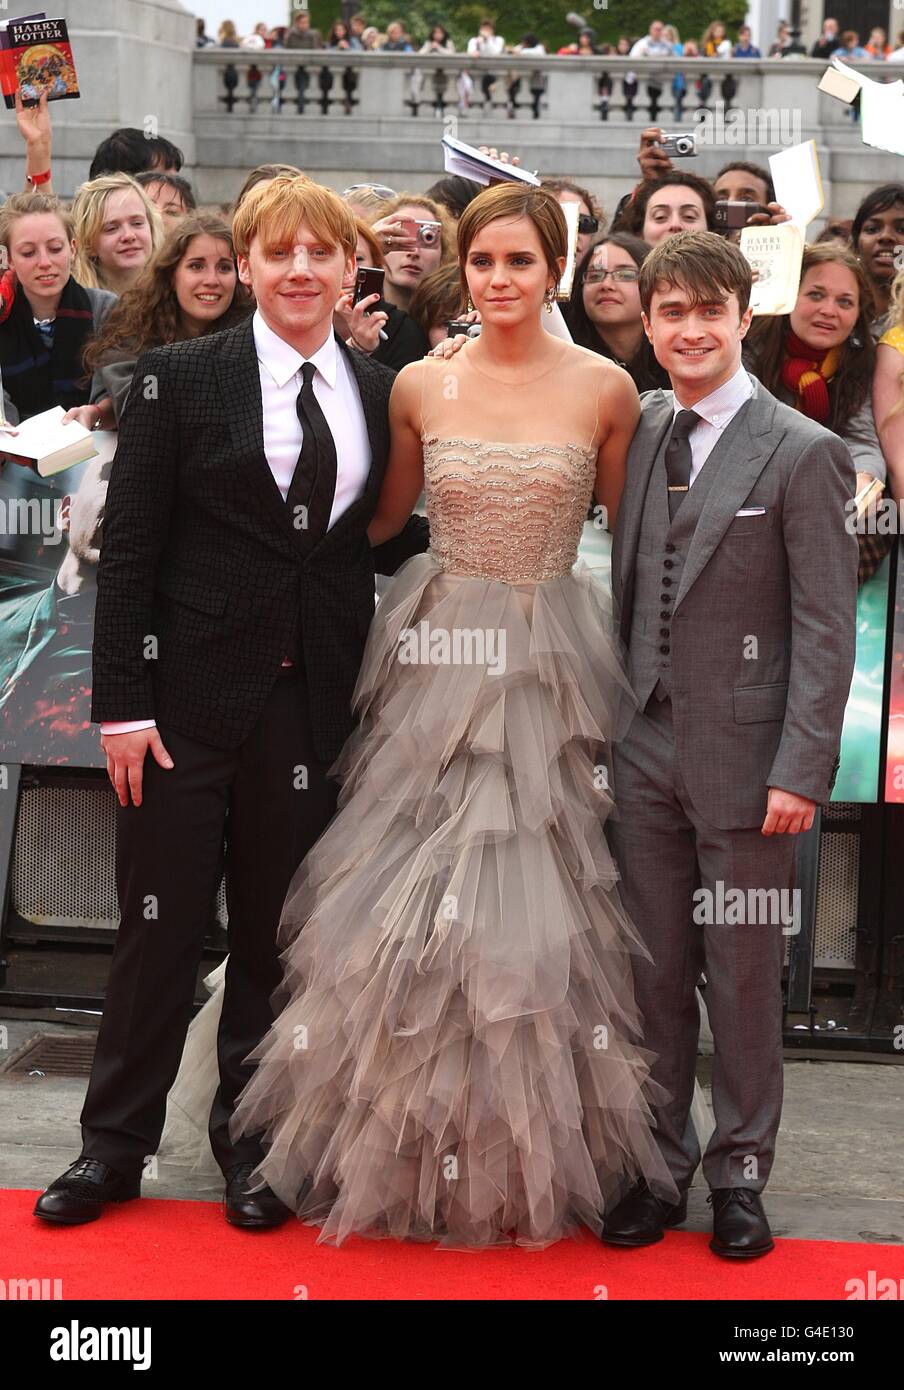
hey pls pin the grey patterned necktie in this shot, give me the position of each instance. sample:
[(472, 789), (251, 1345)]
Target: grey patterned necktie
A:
[(678, 458)]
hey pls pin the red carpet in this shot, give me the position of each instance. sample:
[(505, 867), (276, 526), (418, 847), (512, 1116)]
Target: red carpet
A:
[(154, 1249)]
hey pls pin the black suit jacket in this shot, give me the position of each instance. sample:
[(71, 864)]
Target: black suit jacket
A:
[(204, 583)]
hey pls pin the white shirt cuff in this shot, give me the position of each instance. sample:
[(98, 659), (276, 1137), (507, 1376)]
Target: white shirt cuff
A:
[(128, 726)]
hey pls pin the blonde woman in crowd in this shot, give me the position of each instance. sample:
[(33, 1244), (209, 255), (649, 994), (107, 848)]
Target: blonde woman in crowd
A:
[(117, 231), (410, 254)]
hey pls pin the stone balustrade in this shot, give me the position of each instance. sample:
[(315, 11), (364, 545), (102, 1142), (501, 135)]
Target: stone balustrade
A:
[(380, 116), (562, 89)]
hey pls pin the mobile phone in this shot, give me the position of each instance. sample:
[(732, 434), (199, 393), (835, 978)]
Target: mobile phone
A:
[(680, 144), (730, 215), (368, 280)]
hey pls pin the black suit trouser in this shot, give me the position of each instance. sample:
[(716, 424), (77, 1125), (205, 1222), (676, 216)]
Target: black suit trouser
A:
[(253, 812)]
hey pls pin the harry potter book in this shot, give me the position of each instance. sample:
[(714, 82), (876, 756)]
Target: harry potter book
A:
[(36, 57)]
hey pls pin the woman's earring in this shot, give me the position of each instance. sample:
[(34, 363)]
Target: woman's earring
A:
[(470, 308), (548, 301)]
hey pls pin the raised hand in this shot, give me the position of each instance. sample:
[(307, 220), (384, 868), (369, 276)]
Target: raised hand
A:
[(394, 233), (364, 328), (653, 160), (35, 129)]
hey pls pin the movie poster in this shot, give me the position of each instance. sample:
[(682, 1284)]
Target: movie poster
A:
[(894, 762), (50, 536), (861, 739)]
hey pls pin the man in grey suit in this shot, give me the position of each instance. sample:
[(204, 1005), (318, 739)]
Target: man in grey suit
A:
[(736, 581)]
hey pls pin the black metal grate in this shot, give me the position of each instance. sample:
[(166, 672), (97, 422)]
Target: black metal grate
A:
[(54, 1054), (836, 904)]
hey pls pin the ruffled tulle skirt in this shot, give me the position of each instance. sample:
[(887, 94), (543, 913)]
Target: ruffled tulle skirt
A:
[(457, 1051)]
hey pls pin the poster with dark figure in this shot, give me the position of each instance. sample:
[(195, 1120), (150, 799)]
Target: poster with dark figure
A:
[(50, 537)]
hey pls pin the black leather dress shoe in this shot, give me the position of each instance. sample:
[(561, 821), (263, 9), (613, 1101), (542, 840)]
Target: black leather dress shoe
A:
[(740, 1228), (79, 1195), (255, 1211), (641, 1218)]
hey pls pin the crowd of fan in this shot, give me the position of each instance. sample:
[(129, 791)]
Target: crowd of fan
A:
[(661, 41), (132, 263)]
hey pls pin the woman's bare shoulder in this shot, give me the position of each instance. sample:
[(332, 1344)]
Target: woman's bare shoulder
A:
[(601, 371)]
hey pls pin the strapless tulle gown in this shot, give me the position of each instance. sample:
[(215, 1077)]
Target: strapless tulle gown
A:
[(457, 1053)]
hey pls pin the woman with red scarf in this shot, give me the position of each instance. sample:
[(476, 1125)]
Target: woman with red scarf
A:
[(821, 357)]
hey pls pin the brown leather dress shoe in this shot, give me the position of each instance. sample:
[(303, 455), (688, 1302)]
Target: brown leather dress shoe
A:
[(740, 1228), (641, 1218)]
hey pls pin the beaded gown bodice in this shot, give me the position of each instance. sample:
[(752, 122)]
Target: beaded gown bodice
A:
[(509, 469)]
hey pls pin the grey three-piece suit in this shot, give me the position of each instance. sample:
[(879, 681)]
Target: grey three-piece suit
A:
[(740, 633)]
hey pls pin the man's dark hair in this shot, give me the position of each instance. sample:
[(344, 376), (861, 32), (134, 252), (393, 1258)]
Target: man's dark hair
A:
[(454, 192), (705, 265), (758, 171), (130, 151), (173, 181)]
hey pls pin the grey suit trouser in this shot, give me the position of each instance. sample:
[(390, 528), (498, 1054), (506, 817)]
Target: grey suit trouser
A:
[(666, 849)]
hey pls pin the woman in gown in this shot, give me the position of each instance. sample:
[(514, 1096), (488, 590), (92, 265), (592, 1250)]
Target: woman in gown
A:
[(456, 1052)]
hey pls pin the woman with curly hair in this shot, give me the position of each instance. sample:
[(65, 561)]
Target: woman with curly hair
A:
[(190, 288)]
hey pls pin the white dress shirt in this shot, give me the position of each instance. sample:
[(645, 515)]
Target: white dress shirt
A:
[(716, 411), (337, 395)]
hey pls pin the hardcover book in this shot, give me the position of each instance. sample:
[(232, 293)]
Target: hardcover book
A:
[(775, 253), (36, 57)]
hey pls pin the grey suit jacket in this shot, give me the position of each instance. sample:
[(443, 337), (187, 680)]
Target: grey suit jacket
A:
[(751, 714)]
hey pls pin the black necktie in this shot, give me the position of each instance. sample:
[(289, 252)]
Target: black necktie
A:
[(678, 458), (313, 485)]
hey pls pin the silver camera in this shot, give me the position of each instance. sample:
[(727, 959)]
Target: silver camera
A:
[(679, 144), (429, 233)]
